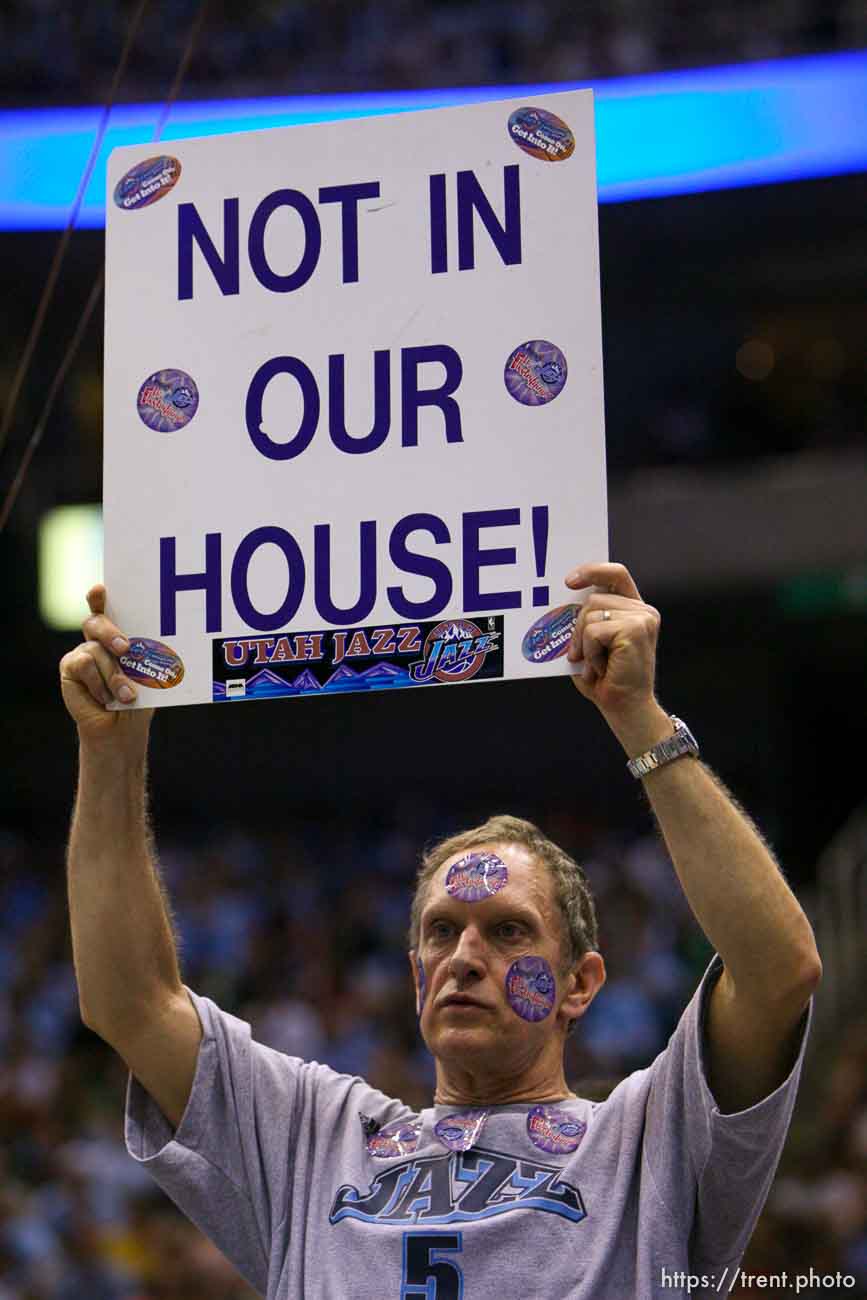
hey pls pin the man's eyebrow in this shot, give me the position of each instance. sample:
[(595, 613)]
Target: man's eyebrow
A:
[(445, 908)]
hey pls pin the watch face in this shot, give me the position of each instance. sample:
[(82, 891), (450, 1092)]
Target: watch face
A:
[(682, 742), (684, 734)]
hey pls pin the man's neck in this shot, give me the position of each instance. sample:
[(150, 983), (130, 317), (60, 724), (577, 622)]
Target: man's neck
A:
[(518, 1098), (459, 1086)]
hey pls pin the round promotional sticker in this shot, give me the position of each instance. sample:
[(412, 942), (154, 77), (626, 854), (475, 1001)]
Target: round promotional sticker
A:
[(554, 1130), (541, 134), (397, 1139), (150, 663), (167, 400), (460, 1131), (146, 182), (535, 372), (476, 876), (530, 988), (549, 637)]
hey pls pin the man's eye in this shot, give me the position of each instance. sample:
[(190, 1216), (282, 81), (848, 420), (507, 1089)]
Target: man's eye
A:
[(510, 930), (439, 930)]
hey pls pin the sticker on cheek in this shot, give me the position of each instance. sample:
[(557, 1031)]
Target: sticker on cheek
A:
[(554, 1130), (530, 988), (398, 1139), (476, 877), (459, 1132), (422, 983)]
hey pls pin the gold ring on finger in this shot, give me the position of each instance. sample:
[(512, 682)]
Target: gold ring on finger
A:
[(606, 614)]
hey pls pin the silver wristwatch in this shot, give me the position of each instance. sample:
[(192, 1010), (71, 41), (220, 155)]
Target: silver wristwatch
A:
[(665, 751)]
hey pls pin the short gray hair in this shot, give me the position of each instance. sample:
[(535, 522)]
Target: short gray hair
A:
[(571, 890)]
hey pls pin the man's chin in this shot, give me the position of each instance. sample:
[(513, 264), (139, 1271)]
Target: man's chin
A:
[(464, 1040)]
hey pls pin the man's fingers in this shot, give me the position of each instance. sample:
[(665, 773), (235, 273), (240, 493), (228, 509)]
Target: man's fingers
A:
[(121, 687), (594, 631), (101, 629), (614, 578), (81, 667), (604, 600), (96, 599), (595, 641), (95, 668), (587, 615), (612, 612)]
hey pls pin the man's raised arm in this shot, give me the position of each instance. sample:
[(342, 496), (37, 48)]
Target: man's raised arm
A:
[(126, 966), (728, 874)]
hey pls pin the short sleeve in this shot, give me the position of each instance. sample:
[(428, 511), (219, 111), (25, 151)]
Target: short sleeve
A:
[(730, 1159), (229, 1166)]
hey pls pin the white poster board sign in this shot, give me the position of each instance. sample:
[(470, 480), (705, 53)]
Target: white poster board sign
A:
[(353, 401)]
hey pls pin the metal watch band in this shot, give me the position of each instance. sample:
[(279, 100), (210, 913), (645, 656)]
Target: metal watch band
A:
[(683, 742)]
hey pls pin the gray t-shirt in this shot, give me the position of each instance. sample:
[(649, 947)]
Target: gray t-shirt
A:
[(271, 1160)]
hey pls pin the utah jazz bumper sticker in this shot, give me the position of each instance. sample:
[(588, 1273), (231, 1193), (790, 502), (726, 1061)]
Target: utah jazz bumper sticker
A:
[(358, 659)]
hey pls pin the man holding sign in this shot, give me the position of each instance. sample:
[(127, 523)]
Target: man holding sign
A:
[(509, 1185)]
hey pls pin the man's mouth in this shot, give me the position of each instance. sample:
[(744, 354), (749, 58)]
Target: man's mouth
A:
[(462, 1000)]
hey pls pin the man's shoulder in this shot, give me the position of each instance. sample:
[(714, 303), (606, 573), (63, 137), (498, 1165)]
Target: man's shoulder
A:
[(316, 1083)]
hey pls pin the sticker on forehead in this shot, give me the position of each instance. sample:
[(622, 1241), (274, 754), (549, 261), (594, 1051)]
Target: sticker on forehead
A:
[(460, 1131), (476, 877), (554, 1130), (530, 988), (397, 1139), (422, 983)]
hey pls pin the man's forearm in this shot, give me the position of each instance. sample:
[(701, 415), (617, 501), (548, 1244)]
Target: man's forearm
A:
[(122, 936), (729, 876)]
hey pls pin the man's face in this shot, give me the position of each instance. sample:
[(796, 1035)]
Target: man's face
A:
[(468, 949)]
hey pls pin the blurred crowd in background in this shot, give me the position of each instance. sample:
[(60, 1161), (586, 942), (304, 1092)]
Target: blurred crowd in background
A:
[(303, 935), (50, 49)]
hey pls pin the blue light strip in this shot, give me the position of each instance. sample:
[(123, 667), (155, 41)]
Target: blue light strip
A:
[(669, 133)]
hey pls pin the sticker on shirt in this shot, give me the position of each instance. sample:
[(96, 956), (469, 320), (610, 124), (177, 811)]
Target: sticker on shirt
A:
[(146, 182), (462, 1130), (541, 134), (476, 876), (530, 988), (167, 400), (548, 638), (398, 1139), (150, 663), (554, 1130), (535, 373)]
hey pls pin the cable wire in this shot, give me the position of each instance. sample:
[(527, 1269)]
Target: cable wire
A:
[(63, 243), (99, 284)]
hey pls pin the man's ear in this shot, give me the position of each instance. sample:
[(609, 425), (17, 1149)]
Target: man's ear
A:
[(583, 982)]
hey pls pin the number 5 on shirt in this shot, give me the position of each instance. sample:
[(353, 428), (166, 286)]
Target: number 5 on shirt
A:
[(425, 1273)]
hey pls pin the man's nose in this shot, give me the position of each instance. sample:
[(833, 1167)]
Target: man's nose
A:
[(468, 959)]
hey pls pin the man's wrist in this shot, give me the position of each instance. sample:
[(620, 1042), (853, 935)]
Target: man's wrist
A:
[(111, 761), (642, 727)]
